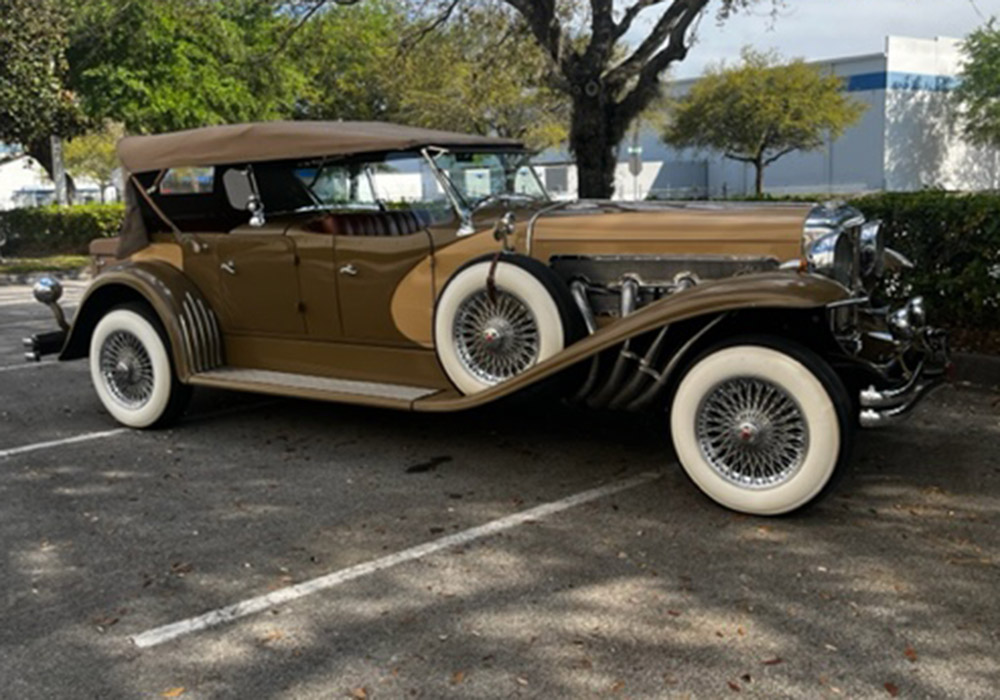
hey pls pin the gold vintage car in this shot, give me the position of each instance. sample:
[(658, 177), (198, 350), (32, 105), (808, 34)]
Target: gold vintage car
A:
[(429, 271)]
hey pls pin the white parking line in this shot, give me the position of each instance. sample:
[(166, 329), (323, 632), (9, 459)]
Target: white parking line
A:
[(26, 365), (86, 437), (251, 606)]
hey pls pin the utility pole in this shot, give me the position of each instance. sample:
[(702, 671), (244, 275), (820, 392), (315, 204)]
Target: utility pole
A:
[(59, 172), (635, 162)]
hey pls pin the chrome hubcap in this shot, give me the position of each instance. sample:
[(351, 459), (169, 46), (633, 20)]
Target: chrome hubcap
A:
[(752, 432), (496, 338), (126, 369)]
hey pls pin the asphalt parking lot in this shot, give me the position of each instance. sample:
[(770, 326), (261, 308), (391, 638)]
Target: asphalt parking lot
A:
[(619, 581)]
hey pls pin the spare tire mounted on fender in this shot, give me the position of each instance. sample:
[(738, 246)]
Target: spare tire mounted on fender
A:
[(486, 336)]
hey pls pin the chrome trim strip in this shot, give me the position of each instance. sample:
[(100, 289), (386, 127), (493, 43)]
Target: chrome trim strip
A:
[(651, 393), (579, 291), (529, 235)]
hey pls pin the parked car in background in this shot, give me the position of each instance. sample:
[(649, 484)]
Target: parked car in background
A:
[(423, 270)]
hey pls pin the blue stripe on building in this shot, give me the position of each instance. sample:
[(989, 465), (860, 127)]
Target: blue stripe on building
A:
[(895, 80)]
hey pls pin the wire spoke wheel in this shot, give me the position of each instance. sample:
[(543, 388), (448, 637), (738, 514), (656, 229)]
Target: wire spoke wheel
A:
[(496, 336), (126, 369), (752, 432)]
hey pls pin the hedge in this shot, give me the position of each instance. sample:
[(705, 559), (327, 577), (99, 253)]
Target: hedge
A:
[(53, 230), (954, 240)]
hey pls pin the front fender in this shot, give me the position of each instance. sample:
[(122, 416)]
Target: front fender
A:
[(191, 325), (771, 290)]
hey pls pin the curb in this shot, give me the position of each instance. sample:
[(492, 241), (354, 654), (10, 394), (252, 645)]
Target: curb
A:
[(975, 368), (29, 278)]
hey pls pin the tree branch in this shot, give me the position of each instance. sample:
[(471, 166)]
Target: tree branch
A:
[(317, 6), (742, 159), (602, 33), (780, 154), (545, 26), (621, 29), (673, 28), (412, 40)]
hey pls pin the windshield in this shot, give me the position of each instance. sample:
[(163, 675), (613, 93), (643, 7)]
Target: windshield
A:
[(477, 177), (396, 181)]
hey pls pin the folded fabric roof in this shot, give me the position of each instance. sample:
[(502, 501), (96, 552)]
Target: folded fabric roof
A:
[(278, 140)]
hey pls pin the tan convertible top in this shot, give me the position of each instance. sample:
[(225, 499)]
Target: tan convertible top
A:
[(247, 143)]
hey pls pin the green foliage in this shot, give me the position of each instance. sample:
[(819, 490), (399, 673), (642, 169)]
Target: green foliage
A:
[(161, 66), (954, 240), (347, 59), (978, 92), (34, 103), (761, 110), (56, 263), (93, 154), (496, 82), (481, 72), (53, 230)]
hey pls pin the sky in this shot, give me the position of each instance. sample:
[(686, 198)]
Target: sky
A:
[(821, 29)]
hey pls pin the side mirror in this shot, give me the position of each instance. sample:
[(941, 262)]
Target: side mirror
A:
[(241, 191)]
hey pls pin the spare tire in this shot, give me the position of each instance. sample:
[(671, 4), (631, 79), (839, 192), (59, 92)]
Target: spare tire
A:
[(484, 337)]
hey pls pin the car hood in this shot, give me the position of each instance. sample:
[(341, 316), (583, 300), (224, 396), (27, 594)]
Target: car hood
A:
[(766, 229)]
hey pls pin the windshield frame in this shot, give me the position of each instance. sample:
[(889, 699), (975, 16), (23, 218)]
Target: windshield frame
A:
[(463, 206)]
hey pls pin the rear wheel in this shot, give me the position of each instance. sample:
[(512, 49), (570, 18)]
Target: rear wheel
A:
[(761, 425), (132, 371)]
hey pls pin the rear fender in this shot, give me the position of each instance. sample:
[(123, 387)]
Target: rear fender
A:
[(191, 325), (773, 290)]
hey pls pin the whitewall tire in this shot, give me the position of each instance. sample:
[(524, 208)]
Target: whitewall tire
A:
[(761, 428), (131, 369), (483, 340)]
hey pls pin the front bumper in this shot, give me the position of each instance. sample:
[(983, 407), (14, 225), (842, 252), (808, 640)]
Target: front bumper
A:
[(888, 406), (904, 360)]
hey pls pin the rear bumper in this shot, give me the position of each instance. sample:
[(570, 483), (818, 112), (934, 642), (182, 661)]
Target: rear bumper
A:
[(41, 344)]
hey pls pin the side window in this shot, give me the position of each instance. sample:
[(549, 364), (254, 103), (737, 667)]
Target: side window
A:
[(339, 186), (191, 180)]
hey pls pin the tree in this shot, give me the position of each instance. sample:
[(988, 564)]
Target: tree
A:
[(93, 154), (496, 82), (978, 91), (34, 101), (761, 110), (161, 66), (607, 82)]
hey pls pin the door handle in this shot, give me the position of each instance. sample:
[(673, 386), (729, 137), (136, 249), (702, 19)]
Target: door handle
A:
[(229, 266), (349, 269)]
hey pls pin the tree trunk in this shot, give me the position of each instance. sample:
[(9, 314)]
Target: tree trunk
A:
[(758, 165), (594, 142), (41, 150)]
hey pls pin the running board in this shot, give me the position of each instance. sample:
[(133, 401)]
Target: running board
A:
[(312, 387)]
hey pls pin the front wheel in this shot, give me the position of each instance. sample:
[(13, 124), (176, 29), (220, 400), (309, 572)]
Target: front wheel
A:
[(761, 426), (131, 369), (484, 337)]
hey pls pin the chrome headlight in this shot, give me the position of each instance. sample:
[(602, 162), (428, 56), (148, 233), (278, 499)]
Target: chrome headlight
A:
[(872, 242), (832, 255)]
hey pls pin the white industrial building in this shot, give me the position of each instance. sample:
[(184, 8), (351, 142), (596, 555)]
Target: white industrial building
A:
[(907, 140)]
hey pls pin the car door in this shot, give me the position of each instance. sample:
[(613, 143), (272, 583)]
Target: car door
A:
[(369, 268), (258, 279)]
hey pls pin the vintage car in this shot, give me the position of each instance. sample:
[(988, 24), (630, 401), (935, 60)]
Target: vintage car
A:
[(423, 270)]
